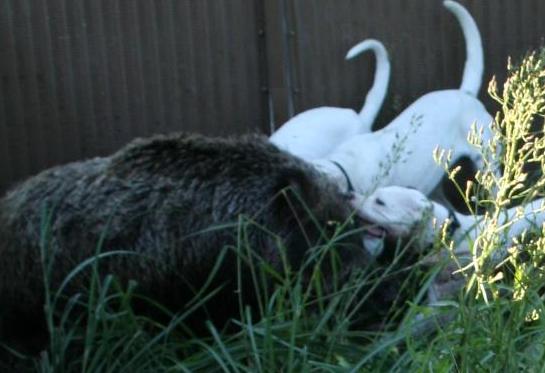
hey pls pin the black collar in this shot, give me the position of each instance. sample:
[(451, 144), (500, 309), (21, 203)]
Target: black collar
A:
[(454, 223), (348, 182)]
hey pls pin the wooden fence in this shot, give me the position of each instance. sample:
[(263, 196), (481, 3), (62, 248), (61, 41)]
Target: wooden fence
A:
[(78, 78)]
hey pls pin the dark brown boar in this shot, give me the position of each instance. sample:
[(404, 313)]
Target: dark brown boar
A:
[(159, 197)]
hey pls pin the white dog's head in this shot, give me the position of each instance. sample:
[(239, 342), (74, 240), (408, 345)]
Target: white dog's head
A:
[(393, 212)]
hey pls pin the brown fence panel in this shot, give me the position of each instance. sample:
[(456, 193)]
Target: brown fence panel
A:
[(78, 78), (425, 43)]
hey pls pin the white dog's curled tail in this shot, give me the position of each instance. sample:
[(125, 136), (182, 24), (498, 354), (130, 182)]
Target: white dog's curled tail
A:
[(474, 66), (377, 93)]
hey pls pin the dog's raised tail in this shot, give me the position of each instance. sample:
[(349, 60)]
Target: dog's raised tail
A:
[(474, 66), (377, 93)]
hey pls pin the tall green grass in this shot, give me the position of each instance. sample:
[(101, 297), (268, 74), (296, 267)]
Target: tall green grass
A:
[(303, 319), (305, 322)]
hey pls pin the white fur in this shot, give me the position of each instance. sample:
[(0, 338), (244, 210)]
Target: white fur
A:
[(473, 70), (404, 213), (398, 211), (316, 132), (441, 119), (377, 93), (402, 154)]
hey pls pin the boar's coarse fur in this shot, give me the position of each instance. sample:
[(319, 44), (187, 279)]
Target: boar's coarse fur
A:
[(153, 197)]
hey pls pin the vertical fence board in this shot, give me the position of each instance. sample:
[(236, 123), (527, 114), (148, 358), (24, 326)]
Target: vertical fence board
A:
[(15, 130), (278, 32)]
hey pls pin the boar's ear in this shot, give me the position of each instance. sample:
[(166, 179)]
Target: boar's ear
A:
[(297, 187)]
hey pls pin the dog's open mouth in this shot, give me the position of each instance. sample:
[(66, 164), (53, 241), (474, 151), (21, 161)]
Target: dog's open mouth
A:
[(375, 231)]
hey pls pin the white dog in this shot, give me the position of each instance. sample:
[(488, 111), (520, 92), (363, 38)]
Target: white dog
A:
[(398, 212), (316, 132), (401, 153)]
